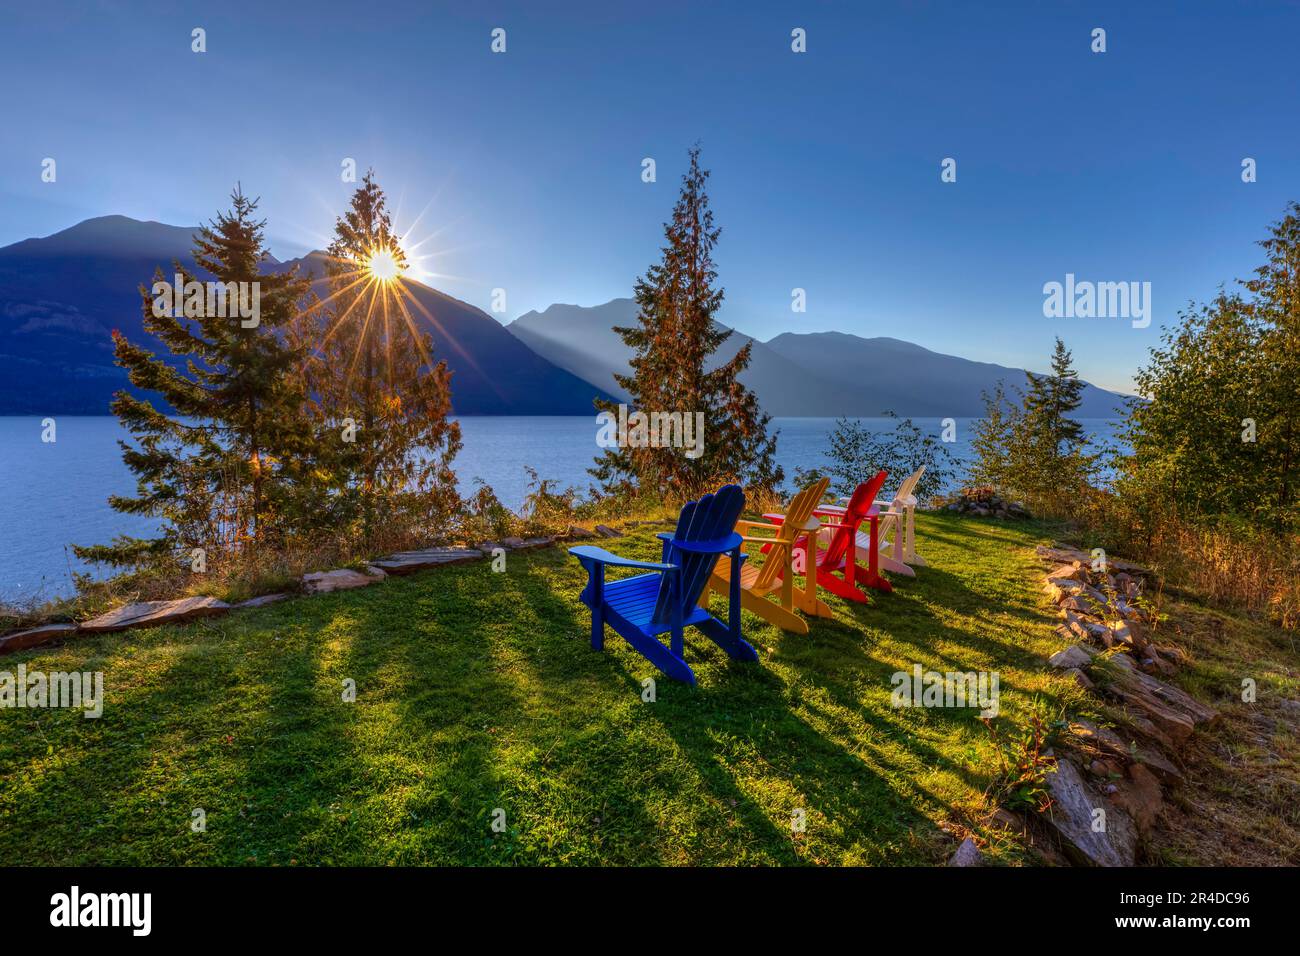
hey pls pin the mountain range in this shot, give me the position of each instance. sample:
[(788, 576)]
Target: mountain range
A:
[(799, 374), (61, 297)]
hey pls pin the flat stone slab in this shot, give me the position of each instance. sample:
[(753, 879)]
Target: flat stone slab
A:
[(1073, 656), (262, 600), (1072, 816), (35, 636), (341, 579), (155, 613), (1171, 710), (605, 531), (408, 562)]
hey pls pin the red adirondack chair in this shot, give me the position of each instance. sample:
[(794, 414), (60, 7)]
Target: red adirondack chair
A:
[(836, 564)]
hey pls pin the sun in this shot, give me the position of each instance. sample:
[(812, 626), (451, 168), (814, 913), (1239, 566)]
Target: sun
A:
[(383, 265)]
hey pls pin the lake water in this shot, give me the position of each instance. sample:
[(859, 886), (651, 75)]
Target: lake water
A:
[(55, 493)]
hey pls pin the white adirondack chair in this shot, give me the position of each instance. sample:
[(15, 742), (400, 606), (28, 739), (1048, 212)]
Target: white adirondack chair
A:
[(897, 530)]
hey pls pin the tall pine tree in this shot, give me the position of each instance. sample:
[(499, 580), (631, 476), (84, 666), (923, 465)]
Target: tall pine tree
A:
[(673, 342), (212, 469), (380, 402)]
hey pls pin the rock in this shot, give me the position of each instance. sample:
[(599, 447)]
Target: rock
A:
[(1153, 663), (1086, 630), (1105, 740), (1079, 605), (155, 613), (1105, 769), (513, 543), (1140, 795), (527, 544), (341, 579), (1149, 731), (605, 531), (1122, 633), (408, 562), (262, 600), (1071, 816), (35, 636), (1073, 656), (1067, 572), (1082, 679), (1174, 713), (487, 547), (968, 854), (575, 532)]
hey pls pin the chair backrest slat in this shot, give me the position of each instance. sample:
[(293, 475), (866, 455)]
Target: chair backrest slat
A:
[(801, 508), (842, 541), (710, 518), (904, 490), (909, 484)]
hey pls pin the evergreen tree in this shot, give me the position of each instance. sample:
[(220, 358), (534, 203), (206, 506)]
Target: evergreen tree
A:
[(673, 341), (1049, 402), (380, 402), (991, 441), (1036, 451), (213, 468)]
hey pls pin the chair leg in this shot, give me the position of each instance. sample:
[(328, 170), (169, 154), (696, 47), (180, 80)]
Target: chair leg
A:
[(774, 613), (737, 648), (596, 585), (841, 587)]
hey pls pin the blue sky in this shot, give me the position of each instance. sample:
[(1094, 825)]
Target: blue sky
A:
[(1122, 166)]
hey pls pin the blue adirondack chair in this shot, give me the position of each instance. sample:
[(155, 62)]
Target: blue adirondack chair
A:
[(666, 600)]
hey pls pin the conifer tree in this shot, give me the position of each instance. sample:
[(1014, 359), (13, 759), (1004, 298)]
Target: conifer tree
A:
[(1035, 450), (673, 342), (1049, 402), (380, 402), (210, 463), (991, 439)]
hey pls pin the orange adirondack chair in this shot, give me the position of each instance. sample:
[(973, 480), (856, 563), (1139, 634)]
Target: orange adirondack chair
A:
[(837, 569), (758, 584)]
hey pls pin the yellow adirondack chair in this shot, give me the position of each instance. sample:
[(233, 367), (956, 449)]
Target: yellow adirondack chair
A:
[(776, 574)]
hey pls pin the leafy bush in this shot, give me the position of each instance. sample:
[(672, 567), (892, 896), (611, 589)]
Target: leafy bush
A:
[(857, 453)]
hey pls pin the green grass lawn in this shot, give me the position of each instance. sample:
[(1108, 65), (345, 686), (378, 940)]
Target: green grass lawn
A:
[(478, 690)]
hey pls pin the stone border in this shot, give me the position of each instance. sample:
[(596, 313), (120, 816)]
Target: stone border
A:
[(157, 613), (1108, 786)]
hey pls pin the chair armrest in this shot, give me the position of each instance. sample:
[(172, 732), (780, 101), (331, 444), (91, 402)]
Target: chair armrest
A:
[(596, 555), (751, 525), (721, 545), (774, 542)]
